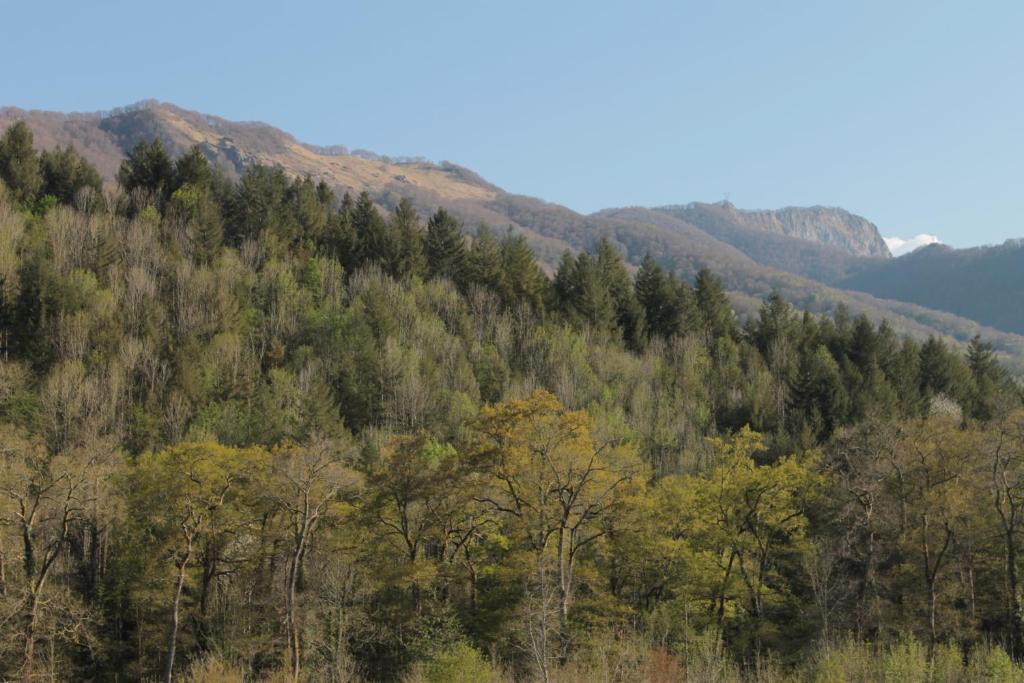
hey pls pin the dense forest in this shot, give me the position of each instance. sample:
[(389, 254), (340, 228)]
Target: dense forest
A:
[(255, 431)]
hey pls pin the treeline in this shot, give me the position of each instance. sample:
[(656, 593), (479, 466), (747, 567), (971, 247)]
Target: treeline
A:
[(253, 430)]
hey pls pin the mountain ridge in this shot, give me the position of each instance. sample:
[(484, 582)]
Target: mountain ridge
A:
[(105, 138)]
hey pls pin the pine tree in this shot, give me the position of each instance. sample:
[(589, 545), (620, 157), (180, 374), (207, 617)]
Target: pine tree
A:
[(445, 248), (147, 168), (629, 313), (408, 240), (310, 212), (192, 168), (565, 284), (659, 297), (593, 301), (522, 278), (716, 314), (986, 375), (484, 263), (66, 173), (19, 164)]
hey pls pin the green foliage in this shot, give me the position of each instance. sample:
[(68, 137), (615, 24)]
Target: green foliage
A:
[(148, 169), (299, 437), (19, 163), (66, 175)]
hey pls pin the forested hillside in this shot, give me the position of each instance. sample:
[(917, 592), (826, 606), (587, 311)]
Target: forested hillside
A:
[(800, 252), (253, 430), (982, 283)]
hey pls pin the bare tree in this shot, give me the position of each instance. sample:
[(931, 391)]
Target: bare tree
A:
[(306, 489)]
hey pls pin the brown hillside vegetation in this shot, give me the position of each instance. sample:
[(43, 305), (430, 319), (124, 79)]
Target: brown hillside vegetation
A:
[(682, 246)]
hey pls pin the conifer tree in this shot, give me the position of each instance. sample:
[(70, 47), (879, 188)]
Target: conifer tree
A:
[(66, 173), (716, 314), (445, 248), (484, 262), (19, 164), (628, 311), (148, 168), (522, 278), (192, 168), (408, 241)]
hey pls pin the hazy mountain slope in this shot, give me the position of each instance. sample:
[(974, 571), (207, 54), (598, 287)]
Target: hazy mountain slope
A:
[(827, 226), (679, 243), (816, 261), (984, 283)]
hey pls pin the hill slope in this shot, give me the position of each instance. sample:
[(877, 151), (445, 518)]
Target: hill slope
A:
[(983, 283), (723, 240)]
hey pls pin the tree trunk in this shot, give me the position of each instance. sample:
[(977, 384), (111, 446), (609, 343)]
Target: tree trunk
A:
[(29, 652), (172, 635), (1016, 632), (294, 646)]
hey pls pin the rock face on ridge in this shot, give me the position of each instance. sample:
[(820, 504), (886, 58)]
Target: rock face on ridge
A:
[(825, 225)]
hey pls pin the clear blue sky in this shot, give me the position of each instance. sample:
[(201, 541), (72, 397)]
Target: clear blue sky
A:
[(910, 113)]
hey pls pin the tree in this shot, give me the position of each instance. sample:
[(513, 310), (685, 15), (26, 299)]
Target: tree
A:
[(628, 311), (743, 518), (42, 497), (484, 262), (192, 168), (148, 168), (522, 278), (308, 486), (659, 298), (1006, 461), (717, 318), (407, 234), (66, 174), (931, 466), (445, 248), (186, 495), (556, 488), (19, 164), (986, 374)]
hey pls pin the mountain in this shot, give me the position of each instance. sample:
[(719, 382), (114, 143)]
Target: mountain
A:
[(981, 283), (798, 252), (822, 225), (816, 260)]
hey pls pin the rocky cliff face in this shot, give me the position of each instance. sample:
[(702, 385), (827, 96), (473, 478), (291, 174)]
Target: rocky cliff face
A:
[(829, 226)]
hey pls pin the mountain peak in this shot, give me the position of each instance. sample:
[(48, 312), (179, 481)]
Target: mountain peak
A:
[(826, 225)]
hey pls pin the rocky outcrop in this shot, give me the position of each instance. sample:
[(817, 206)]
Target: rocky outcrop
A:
[(825, 225)]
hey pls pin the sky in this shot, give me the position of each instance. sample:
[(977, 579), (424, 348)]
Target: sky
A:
[(907, 112)]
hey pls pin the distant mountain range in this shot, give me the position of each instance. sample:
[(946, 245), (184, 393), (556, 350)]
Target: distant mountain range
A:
[(817, 257)]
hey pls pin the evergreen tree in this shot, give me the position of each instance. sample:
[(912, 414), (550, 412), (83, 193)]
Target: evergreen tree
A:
[(66, 173), (986, 375), (776, 324), (628, 311), (20, 168), (340, 237), (260, 203), (310, 212), (408, 239), (522, 278), (371, 233), (716, 314), (565, 284), (818, 399), (148, 168), (445, 248), (484, 262), (941, 371), (593, 301), (192, 168)]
